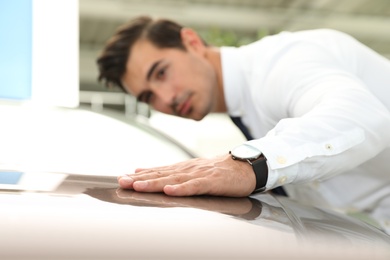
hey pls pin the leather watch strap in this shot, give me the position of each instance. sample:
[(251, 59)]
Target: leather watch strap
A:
[(261, 172)]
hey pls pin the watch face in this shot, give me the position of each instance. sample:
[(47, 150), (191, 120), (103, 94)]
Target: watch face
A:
[(245, 151)]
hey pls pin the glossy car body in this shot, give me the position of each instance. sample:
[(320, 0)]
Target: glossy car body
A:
[(60, 200), (89, 217), (78, 140)]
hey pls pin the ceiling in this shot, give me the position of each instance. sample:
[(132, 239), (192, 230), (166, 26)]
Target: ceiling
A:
[(366, 20)]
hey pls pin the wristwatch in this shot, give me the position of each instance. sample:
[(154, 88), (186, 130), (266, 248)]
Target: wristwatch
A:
[(256, 159)]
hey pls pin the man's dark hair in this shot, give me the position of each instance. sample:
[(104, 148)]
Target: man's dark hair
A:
[(112, 61)]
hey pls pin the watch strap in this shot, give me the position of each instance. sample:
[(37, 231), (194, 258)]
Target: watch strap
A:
[(261, 172)]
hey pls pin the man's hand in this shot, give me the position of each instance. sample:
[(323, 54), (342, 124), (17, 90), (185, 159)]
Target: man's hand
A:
[(220, 176)]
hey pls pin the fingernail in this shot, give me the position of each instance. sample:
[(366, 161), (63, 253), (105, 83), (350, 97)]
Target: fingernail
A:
[(169, 189), (140, 184), (126, 180)]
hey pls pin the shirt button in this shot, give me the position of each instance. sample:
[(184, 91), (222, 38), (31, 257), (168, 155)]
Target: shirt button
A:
[(281, 160), (328, 147), (282, 180), (315, 185)]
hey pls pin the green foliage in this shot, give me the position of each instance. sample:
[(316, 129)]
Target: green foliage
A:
[(217, 37)]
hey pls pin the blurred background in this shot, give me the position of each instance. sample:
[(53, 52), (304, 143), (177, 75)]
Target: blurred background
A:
[(220, 22), (48, 51), (232, 22)]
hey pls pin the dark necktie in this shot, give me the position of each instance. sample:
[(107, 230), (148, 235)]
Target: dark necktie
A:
[(237, 121)]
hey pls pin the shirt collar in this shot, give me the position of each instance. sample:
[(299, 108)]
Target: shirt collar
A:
[(233, 80)]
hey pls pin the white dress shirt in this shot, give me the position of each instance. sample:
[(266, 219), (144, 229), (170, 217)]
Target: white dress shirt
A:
[(318, 105)]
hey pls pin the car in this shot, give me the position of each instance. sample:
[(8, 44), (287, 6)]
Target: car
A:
[(81, 140), (60, 199), (89, 217)]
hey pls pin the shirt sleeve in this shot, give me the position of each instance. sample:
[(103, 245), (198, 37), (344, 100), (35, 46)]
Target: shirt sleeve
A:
[(328, 120)]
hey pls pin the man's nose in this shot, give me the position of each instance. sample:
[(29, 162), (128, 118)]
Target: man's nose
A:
[(165, 94)]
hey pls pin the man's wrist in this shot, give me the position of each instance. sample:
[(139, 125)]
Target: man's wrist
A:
[(257, 160)]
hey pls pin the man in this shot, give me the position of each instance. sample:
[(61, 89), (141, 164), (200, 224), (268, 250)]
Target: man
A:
[(316, 103)]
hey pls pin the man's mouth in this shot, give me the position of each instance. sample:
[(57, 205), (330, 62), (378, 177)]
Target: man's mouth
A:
[(183, 104)]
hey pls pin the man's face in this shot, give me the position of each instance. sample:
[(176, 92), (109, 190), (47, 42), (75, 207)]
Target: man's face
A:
[(171, 80)]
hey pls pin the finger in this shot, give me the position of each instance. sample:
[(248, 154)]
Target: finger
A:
[(140, 171), (171, 173), (125, 182), (143, 170), (199, 186), (157, 184)]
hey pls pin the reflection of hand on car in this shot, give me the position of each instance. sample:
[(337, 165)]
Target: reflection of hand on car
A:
[(226, 205)]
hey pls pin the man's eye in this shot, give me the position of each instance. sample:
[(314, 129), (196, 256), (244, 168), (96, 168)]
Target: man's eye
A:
[(161, 73)]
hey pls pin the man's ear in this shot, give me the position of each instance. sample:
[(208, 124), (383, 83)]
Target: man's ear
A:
[(191, 40)]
